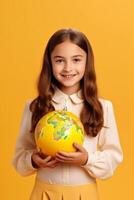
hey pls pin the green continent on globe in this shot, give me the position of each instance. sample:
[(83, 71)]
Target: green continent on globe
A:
[(62, 123)]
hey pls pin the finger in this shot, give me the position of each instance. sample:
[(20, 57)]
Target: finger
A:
[(63, 158), (47, 159), (64, 161), (66, 154), (79, 147), (42, 155), (35, 151), (51, 163), (41, 161), (52, 166), (55, 165)]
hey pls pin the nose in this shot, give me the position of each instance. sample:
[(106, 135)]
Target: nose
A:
[(68, 66)]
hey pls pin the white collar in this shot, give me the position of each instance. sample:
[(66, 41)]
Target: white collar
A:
[(59, 96)]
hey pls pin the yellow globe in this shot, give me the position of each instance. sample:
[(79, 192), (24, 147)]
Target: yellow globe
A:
[(57, 131)]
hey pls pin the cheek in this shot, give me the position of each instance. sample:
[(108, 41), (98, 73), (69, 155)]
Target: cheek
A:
[(56, 69), (82, 68)]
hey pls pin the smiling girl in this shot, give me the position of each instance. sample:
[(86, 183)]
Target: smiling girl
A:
[(68, 81)]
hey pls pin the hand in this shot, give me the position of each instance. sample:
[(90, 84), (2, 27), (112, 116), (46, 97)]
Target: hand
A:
[(79, 157), (41, 160)]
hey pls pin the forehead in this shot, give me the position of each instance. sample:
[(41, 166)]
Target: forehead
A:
[(68, 48)]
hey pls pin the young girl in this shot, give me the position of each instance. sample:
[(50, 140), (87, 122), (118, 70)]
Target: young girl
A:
[(68, 81)]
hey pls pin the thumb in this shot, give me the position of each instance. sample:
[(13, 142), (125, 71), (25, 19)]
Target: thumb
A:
[(79, 147)]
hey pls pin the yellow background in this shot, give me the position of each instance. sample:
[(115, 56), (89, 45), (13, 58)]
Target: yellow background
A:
[(26, 26)]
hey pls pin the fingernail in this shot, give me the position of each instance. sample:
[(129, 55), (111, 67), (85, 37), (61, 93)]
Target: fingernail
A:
[(49, 156)]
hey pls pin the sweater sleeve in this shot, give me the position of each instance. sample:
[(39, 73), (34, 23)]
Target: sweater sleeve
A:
[(25, 145), (102, 163)]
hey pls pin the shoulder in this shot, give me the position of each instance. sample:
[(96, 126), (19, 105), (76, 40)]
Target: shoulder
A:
[(28, 102), (105, 103), (108, 110), (27, 105), (107, 106)]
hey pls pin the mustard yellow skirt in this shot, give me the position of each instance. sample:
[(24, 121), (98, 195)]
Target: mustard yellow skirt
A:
[(45, 191)]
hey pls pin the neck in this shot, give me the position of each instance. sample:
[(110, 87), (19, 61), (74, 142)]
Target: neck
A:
[(69, 90)]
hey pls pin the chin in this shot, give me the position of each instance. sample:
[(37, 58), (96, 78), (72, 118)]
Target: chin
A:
[(68, 84)]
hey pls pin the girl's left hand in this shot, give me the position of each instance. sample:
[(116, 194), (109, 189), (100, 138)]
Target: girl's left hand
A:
[(79, 157)]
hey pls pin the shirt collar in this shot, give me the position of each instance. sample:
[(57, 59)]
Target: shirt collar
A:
[(59, 96)]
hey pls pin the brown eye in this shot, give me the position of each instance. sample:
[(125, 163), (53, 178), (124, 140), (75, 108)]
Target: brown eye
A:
[(77, 60), (59, 61)]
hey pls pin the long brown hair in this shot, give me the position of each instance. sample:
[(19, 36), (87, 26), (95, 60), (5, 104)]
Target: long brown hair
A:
[(92, 112)]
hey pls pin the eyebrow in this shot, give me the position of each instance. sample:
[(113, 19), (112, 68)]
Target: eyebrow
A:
[(64, 57)]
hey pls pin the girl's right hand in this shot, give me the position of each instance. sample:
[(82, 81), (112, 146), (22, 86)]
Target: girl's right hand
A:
[(40, 160)]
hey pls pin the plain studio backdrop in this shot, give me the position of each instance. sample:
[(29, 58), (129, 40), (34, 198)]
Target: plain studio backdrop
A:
[(26, 26)]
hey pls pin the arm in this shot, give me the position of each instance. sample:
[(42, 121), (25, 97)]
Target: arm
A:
[(25, 145), (27, 159), (102, 163)]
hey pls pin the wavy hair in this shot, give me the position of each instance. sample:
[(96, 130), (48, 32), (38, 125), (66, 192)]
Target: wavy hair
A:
[(92, 112)]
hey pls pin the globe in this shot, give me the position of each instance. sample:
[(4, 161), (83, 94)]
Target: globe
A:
[(57, 131)]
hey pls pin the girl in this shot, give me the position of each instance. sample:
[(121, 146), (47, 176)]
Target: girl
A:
[(68, 81)]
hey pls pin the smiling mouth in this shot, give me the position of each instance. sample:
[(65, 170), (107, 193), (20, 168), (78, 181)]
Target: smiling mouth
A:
[(68, 76)]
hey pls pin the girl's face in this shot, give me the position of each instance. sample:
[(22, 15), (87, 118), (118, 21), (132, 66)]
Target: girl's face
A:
[(68, 66)]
